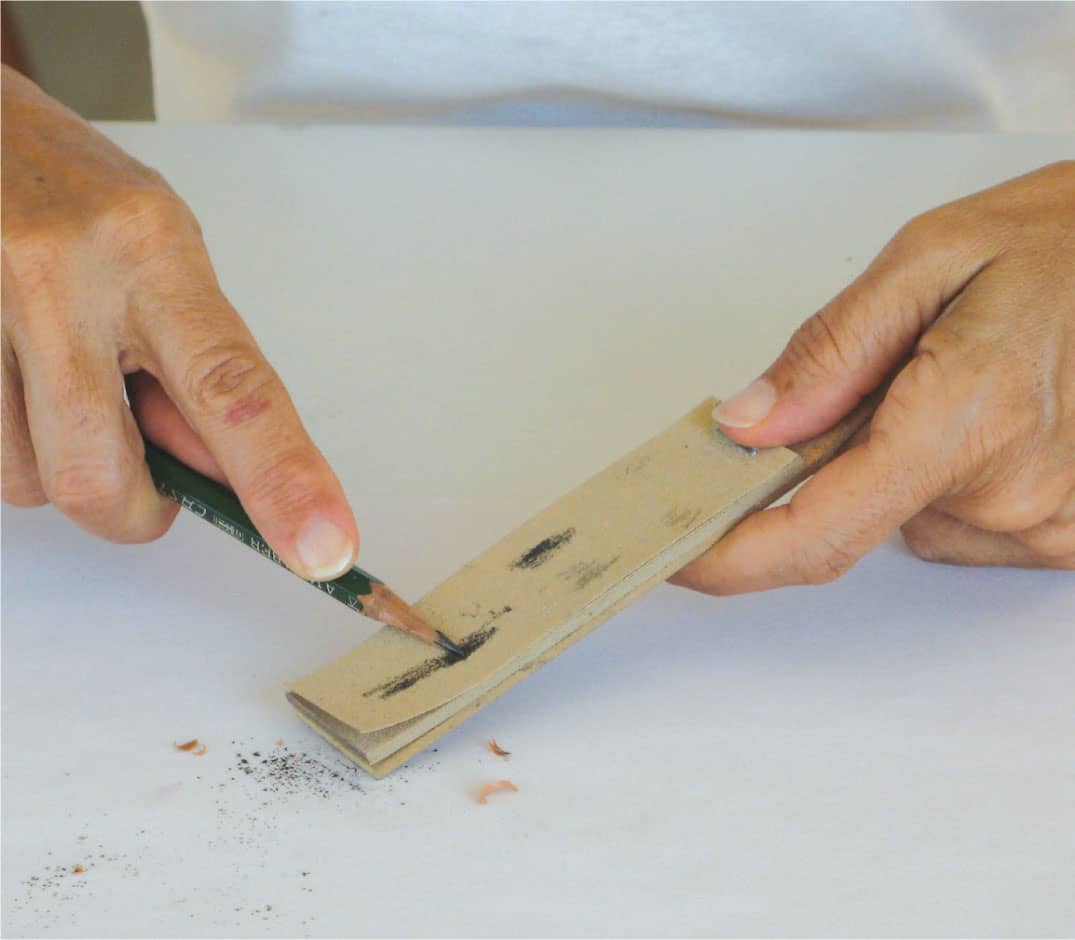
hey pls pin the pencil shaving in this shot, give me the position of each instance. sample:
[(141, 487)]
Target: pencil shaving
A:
[(78, 870), (201, 750), (187, 745), (496, 748), (483, 796)]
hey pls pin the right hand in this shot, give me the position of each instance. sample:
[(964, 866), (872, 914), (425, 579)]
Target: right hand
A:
[(105, 276)]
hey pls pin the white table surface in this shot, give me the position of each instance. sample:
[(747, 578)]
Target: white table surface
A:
[(507, 312)]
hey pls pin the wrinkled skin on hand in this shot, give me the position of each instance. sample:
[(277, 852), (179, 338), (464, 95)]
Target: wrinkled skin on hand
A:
[(106, 279), (972, 450)]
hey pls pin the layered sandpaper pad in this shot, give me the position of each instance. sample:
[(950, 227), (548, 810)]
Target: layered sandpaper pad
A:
[(548, 584)]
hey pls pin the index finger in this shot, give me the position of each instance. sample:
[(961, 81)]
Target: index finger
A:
[(211, 367)]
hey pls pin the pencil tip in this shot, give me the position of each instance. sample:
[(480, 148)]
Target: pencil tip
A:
[(449, 647)]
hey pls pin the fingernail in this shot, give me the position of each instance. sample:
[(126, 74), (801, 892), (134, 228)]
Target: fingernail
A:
[(748, 407), (324, 550)]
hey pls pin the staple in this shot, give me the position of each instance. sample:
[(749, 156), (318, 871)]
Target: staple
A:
[(743, 449)]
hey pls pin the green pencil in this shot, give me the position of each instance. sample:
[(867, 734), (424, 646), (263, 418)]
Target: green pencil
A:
[(217, 505)]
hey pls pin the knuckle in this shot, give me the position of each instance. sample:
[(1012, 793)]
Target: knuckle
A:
[(922, 541), (941, 239), (915, 395), (985, 442), (145, 221), (1018, 512), (919, 233), (230, 382), (821, 348), (87, 490), (290, 483), (1014, 503), (827, 560), (142, 528)]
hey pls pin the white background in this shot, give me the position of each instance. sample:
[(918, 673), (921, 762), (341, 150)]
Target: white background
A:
[(471, 323)]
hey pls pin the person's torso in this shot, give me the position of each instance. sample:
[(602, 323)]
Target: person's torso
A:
[(1005, 66)]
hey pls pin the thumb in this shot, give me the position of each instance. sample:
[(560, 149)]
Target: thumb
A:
[(851, 345)]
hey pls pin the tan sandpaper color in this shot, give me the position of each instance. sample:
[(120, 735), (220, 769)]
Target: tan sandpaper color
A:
[(547, 584)]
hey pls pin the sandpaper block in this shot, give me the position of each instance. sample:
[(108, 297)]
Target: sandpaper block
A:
[(549, 583)]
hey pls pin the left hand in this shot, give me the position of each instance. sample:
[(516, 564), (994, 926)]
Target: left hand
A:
[(972, 450)]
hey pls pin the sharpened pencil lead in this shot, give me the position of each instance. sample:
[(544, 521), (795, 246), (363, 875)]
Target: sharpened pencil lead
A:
[(216, 504), (449, 647)]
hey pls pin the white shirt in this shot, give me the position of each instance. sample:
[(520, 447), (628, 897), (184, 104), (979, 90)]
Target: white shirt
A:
[(977, 66)]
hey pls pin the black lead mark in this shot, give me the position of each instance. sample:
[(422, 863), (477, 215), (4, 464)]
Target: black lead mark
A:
[(543, 551), (469, 644)]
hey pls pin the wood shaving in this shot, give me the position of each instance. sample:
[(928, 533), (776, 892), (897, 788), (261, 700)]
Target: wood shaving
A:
[(201, 750), (496, 748), (483, 796), (82, 838), (78, 870), (187, 745)]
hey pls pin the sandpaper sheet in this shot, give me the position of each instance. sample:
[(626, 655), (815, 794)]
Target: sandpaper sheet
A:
[(542, 586)]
